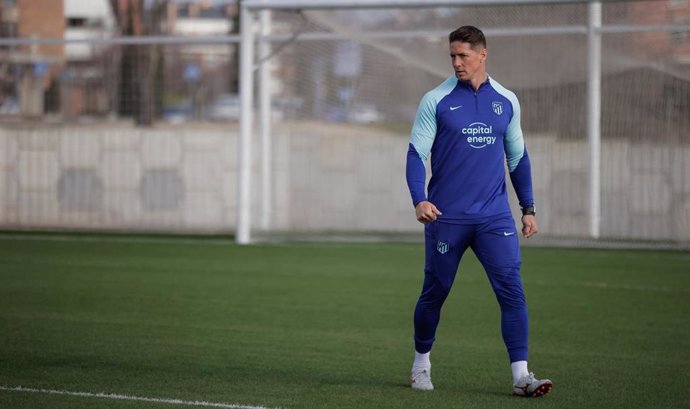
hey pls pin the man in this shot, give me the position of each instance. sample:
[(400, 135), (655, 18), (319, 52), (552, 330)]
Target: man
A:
[(469, 124)]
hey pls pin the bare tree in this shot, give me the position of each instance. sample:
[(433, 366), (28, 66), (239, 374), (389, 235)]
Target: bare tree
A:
[(141, 68), (235, 51)]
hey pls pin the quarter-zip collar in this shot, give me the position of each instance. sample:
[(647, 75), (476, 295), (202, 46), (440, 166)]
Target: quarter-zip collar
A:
[(468, 86)]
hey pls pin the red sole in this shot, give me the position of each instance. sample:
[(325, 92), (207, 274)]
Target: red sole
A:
[(540, 391)]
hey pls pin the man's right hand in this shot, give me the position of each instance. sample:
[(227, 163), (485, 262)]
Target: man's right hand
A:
[(426, 212)]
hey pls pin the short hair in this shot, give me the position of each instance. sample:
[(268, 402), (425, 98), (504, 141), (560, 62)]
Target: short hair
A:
[(468, 34)]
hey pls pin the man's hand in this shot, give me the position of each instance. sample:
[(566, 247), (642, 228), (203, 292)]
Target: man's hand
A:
[(426, 212), (529, 226)]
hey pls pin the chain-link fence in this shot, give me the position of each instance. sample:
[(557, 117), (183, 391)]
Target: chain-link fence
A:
[(140, 133)]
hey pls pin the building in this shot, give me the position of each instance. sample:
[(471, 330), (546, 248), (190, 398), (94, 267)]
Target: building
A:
[(28, 72), (673, 44)]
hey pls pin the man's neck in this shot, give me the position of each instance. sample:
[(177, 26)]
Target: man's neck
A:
[(478, 80)]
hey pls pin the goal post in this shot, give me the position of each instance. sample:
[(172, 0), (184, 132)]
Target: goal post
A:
[(249, 10), (337, 58)]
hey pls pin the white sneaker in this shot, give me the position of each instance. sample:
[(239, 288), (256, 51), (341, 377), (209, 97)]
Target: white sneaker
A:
[(529, 386), (420, 379)]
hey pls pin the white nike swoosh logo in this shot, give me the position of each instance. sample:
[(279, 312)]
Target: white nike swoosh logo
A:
[(454, 108), (505, 233)]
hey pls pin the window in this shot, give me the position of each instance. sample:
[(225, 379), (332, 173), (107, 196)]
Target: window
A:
[(76, 22)]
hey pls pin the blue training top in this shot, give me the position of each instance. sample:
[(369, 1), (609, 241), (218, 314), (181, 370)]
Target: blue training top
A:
[(467, 133)]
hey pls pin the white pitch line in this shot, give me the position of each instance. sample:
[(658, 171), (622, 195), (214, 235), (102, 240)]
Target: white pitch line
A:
[(114, 239), (116, 396), (607, 286), (601, 286)]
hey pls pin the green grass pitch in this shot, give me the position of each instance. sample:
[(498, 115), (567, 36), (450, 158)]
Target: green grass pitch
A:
[(329, 326)]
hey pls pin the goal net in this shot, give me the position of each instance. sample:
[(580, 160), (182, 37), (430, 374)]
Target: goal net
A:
[(141, 133), (340, 157)]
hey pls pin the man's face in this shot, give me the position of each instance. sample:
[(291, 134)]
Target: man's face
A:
[(468, 63)]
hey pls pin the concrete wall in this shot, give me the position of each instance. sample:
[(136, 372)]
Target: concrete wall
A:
[(118, 178), (326, 177), (645, 189)]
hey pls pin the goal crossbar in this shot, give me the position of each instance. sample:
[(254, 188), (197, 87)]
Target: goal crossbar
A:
[(380, 4)]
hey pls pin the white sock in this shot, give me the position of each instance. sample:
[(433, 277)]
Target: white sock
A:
[(421, 361), (519, 369)]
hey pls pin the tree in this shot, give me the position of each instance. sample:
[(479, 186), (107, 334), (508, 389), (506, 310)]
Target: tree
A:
[(141, 72), (235, 50)]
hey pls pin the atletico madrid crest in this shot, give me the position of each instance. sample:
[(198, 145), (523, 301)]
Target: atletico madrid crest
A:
[(497, 107), (442, 247)]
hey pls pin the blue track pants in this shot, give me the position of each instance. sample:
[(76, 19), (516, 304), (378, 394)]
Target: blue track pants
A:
[(497, 247)]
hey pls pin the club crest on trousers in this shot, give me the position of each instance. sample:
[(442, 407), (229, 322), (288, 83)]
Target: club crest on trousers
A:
[(442, 247)]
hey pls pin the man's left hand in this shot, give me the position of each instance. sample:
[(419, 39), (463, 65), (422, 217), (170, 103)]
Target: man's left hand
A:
[(529, 226)]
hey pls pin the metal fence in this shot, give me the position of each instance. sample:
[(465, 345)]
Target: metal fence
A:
[(148, 133)]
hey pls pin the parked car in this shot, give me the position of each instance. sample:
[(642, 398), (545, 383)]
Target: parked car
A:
[(285, 107), (225, 107), (9, 106), (178, 113), (364, 114)]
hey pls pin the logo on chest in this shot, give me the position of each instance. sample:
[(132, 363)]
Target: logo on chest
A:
[(497, 106), (479, 135)]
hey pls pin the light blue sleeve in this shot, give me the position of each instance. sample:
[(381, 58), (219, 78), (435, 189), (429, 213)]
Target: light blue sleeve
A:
[(513, 142), (516, 154), (424, 127)]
